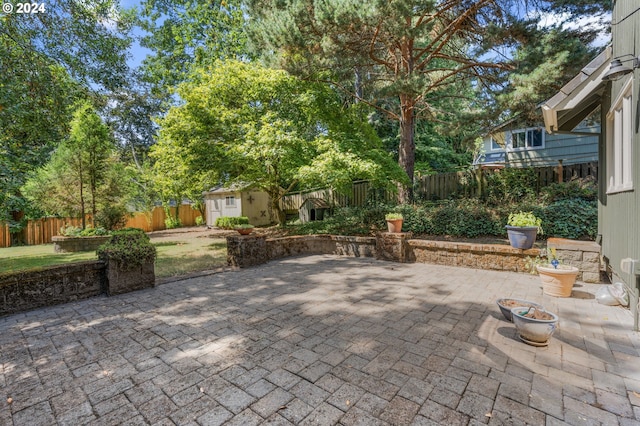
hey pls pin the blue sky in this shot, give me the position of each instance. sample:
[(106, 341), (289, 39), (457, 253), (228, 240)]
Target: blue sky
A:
[(138, 53)]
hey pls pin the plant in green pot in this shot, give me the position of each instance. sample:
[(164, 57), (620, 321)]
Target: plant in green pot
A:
[(522, 228), (394, 222)]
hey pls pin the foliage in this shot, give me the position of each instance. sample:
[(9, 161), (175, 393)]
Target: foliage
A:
[(463, 218), (245, 124), (74, 231), (585, 189), (574, 218), (130, 247), (244, 226), (511, 185), (172, 222), (199, 220), (393, 216), (525, 219), (228, 222), (83, 174), (183, 35), (422, 59)]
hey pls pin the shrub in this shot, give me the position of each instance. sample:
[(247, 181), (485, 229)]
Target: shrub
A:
[(511, 185), (227, 222), (199, 220), (585, 188), (172, 222), (75, 231), (573, 218), (130, 247), (465, 218)]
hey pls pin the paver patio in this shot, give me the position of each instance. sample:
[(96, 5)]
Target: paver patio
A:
[(320, 340)]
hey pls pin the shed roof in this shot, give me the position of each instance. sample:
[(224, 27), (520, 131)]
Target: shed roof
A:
[(317, 203), (579, 97)]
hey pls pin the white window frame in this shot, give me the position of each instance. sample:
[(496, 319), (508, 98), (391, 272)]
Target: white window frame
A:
[(619, 144), (528, 141), (230, 201)]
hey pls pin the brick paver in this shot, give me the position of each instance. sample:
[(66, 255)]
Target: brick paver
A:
[(320, 340)]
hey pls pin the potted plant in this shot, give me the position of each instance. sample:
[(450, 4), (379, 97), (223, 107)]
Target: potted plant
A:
[(394, 222), (557, 279), (534, 325), (244, 229), (522, 228), (130, 258), (506, 304)]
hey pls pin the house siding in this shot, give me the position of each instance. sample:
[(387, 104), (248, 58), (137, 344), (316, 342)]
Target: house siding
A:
[(571, 149), (619, 213)]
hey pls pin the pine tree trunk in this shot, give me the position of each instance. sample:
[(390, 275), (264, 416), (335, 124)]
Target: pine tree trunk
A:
[(407, 148)]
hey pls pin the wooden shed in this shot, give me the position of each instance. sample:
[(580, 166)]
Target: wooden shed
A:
[(234, 202), (313, 209)]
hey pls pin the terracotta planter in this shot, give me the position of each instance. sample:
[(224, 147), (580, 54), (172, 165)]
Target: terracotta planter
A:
[(558, 281), (244, 231), (394, 225)]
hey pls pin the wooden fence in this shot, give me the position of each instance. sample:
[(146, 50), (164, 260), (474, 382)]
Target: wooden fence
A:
[(357, 196), (41, 231), (471, 183)]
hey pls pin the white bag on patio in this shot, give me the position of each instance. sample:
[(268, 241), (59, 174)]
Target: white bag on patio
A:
[(604, 296), (618, 291)]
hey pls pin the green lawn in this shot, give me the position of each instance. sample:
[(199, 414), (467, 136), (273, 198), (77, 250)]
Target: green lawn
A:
[(174, 257)]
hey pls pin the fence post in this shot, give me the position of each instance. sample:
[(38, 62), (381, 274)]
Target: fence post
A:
[(560, 171)]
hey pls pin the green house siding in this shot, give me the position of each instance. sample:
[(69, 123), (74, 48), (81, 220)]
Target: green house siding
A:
[(620, 212)]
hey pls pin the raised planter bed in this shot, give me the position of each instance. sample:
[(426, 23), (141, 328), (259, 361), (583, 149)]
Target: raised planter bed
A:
[(75, 244)]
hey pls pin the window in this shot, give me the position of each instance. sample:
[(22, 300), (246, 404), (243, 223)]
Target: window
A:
[(230, 201), (620, 142), (527, 139), (494, 144)]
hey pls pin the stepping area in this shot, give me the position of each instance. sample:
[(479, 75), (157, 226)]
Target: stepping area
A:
[(321, 340)]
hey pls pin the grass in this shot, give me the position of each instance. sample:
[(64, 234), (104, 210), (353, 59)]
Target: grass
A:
[(174, 257), (182, 257)]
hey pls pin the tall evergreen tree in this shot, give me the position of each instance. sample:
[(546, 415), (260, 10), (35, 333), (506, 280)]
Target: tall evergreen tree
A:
[(407, 50)]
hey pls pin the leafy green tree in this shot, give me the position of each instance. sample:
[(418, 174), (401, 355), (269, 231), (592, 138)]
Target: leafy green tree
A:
[(183, 34), (50, 61), (245, 124), (83, 172)]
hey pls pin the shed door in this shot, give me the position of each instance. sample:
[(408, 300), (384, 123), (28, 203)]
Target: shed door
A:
[(215, 210)]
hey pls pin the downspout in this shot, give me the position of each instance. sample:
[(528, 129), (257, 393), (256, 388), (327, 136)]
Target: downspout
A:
[(630, 267)]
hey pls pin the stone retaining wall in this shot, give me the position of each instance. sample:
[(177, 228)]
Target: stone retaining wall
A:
[(23, 291), (63, 244), (51, 286), (481, 256), (584, 255), (252, 250)]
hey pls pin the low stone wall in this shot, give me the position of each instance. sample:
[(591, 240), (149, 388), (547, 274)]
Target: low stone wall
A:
[(245, 251), (51, 286), (63, 244), (250, 250), (23, 291), (584, 255), (482, 256)]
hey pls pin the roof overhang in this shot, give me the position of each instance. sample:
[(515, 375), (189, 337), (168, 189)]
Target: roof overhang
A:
[(578, 98)]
